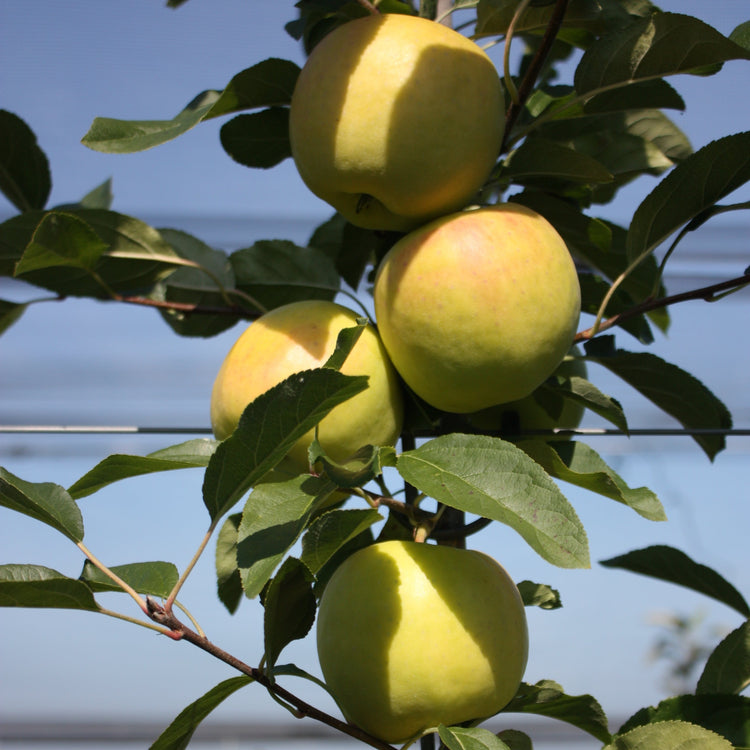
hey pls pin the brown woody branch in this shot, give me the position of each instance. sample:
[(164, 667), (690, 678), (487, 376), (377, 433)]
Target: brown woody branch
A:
[(707, 293), (535, 67), (179, 631)]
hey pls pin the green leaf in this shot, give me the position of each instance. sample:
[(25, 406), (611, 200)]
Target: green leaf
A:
[(100, 197), (210, 284), (741, 35), (191, 454), (135, 258), (515, 739), (658, 45), (670, 564), (541, 159), (275, 515), (546, 698), (267, 83), (229, 583), (260, 139), (111, 136), (277, 272), (62, 239), (289, 608), (669, 735), (727, 715), (470, 738), (268, 428), (24, 170), (493, 478), (728, 668), (44, 501), (674, 391), (10, 313), (154, 578), (178, 734), (331, 531), (539, 595), (36, 586), (582, 466), (693, 186)]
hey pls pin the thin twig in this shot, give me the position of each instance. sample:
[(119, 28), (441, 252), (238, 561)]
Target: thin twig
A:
[(704, 293), (535, 67), (180, 631)]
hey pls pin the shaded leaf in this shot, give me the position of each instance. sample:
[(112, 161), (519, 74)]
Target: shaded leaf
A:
[(260, 139), (493, 478), (24, 170), (546, 698), (268, 428), (178, 734), (229, 583), (277, 272), (539, 595), (61, 239), (671, 389), (289, 608), (210, 284), (44, 501), (155, 578), (539, 158), (727, 715), (37, 586), (10, 313), (515, 739), (275, 515), (331, 531), (470, 738), (582, 466), (672, 565), (669, 735), (693, 186), (728, 667), (188, 455), (658, 45)]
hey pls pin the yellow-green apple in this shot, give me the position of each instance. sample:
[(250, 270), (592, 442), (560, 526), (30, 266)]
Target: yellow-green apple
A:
[(478, 308), (411, 635), (301, 336), (529, 414), (396, 120)]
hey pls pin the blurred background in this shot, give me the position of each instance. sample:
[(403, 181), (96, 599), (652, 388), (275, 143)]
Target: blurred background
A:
[(618, 636)]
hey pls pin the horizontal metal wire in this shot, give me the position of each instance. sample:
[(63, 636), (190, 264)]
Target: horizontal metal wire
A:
[(139, 430)]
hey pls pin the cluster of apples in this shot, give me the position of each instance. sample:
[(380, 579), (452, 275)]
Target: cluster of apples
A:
[(397, 122)]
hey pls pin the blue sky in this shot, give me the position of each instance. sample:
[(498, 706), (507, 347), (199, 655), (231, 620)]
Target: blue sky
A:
[(61, 65)]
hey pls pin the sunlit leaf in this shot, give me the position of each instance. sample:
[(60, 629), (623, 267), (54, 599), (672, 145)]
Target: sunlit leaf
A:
[(37, 586), (669, 564), (580, 465), (727, 715), (44, 501), (669, 735), (539, 595), (470, 738), (191, 454), (546, 698), (154, 578), (274, 517), (268, 428), (493, 478)]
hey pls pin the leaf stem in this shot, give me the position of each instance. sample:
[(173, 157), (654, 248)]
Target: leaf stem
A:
[(189, 569), (127, 588)]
